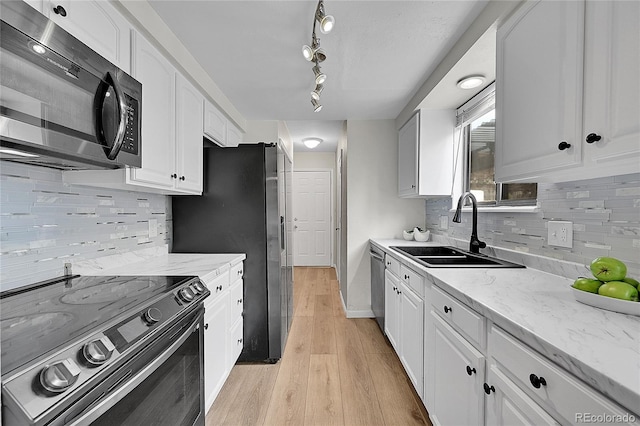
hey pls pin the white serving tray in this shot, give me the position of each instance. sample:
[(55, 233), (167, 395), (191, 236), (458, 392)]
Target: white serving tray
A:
[(608, 303)]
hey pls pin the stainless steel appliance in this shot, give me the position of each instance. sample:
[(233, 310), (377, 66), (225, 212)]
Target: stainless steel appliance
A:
[(61, 104), (244, 208), (103, 350), (377, 284)]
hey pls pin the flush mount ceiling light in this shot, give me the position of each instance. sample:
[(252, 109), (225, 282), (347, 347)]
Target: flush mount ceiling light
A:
[(314, 53), (311, 142), (470, 82)]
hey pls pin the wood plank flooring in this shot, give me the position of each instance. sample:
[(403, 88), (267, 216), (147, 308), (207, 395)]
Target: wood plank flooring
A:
[(334, 370)]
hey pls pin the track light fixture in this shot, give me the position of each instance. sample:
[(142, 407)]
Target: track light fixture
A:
[(314, 53)]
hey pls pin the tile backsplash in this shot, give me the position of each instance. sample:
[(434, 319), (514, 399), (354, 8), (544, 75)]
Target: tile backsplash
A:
[(45, 223), (605, 213)]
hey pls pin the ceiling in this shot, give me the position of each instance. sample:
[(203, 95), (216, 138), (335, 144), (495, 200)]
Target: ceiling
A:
[(378, 55)]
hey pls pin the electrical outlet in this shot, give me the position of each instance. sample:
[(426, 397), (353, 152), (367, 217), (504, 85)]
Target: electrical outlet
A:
[(444, 222), (560, 233), (153, 228)]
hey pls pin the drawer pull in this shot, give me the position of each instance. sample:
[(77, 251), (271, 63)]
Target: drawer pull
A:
[(536, 381), (447, 309), (470, 371), (206, 326), (219, 288), (488, 389)]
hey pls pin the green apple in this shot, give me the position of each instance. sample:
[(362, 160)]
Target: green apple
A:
[(619, 290), (587, 284), (608, 269), (631, 281)]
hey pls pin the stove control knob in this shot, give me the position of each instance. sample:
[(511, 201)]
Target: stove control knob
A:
[(97, 352), (186, 295), (198, 287), (152, 316), (59, 376)]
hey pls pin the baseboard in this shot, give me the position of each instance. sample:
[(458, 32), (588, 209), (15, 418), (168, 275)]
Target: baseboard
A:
[(365, 313)]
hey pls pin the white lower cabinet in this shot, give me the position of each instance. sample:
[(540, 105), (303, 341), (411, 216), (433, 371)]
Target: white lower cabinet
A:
[(223, 339), (216, 342), (457, 372), (508, 405), (404, 319)]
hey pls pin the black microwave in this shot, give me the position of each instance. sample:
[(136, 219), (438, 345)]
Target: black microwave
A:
[(62, 105)]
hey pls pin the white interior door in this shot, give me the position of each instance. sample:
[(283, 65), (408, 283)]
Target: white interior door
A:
[(312, 218)]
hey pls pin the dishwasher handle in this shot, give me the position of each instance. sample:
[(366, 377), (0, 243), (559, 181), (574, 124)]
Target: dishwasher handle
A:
[(376, 256)]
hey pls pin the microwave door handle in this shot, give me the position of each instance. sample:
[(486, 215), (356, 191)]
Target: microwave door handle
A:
[(122, 111)]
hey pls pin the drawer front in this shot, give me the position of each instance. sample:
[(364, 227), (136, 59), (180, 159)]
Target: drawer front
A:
[(236, 272), (471, 324), (392, 264), (237, 300), (237, 341), (217, 287), (412, 279), (555, 389)]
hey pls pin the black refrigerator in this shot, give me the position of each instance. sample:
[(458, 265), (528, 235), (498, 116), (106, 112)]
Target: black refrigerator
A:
[(245, 208)]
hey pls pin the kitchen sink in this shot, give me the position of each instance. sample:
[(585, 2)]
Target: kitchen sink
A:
[(450, 257)]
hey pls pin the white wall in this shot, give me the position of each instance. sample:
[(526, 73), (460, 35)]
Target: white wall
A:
[(373, 207), (322, 160)]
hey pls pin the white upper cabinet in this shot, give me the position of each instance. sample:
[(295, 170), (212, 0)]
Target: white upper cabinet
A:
[(612, 87), (566, 70), (97, 24), (218, 128), (425, 154), (188, 137), (157, 76)]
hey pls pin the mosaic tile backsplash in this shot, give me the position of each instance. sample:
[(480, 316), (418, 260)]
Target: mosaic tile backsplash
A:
[(45, 223), (605, 213)]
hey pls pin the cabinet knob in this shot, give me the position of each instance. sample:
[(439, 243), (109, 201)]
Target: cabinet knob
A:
[(206, 326), (413, 186), (536, 381), (59, 10), (488, 389), (181, 177), (592, 137), (173, 176), (219, 288), (447, 309), (470, 371), (564, 145)]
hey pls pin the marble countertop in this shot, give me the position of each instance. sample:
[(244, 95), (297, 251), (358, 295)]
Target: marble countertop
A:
[(158, 262), (600, 347)]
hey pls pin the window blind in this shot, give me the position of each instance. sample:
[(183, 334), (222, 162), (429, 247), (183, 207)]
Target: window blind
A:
[(476, 106)]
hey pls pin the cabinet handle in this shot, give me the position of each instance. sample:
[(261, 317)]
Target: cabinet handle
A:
[(413, 186), (470, 370), (173, 176), (447, 309), (59, 10), (488, 389), (563, 145), (181, 177), (592, 137), (536, 381), (219, 288), (206, 326), (399, 292)]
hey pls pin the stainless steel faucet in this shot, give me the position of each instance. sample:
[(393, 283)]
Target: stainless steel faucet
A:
[(474, 244)]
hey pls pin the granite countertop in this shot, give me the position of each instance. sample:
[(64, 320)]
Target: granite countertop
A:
[(158, 262), (598, 346)]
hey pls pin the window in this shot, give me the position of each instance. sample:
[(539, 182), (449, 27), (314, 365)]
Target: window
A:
[(477, 120)]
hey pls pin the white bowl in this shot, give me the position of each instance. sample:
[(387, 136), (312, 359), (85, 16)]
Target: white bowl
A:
[(421, 236), (608, 303), (407, 235)]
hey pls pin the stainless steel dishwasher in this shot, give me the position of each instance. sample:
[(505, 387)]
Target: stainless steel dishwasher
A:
[(377, 284)]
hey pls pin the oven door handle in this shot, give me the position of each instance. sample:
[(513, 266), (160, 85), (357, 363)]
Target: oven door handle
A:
[(112, 152), (96, 410)]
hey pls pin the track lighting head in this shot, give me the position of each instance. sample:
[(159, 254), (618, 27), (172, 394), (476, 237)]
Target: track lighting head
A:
[(307, 52), (316, 106), (320, 77), (327, 22), (316, 92), (313, 54)]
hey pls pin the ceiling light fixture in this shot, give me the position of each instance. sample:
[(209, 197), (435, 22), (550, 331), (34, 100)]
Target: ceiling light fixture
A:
[(316, 92), (311, 142), (470, 82), (314, 53)]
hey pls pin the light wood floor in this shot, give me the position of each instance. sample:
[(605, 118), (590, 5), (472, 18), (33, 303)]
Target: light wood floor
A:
[(334, 371)]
